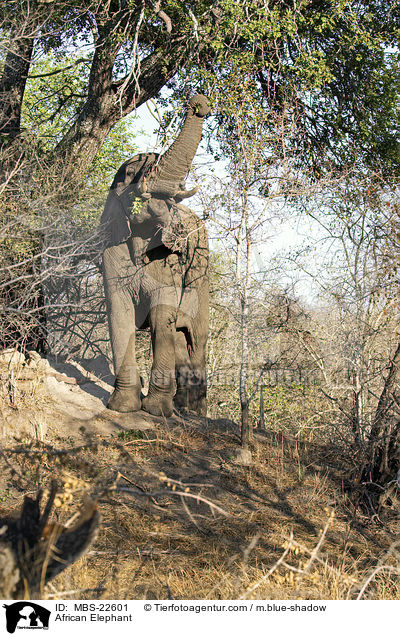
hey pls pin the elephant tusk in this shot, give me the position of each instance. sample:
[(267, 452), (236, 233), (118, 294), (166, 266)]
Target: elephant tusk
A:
[(142, 187), (185, 194)]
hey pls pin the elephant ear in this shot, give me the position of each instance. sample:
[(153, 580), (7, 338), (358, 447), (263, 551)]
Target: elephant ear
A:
[(115, 218), (114, 223)]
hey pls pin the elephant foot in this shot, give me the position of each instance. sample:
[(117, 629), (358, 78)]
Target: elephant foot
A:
[(184, 399), (158, 405), (124, 401), (200, 406)]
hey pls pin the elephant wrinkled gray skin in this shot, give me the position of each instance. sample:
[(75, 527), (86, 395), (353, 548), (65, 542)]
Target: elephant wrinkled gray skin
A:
[(155, 269)]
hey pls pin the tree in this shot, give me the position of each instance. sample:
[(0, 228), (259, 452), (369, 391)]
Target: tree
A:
[(331, 59), (254, 193), (352, 260), (379, 471), (44, 230)]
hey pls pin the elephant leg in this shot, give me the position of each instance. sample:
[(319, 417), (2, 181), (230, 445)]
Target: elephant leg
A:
[(191, 390), (183, 371), (162, 381), (118, 272), (197, 389)]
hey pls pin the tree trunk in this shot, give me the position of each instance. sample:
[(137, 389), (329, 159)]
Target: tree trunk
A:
[(246, 429), (105, 105), (12, 85), (358, 408), (261, 423), (383, 452)]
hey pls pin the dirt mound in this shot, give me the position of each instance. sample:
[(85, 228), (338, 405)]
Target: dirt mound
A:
[(181, 519), (58, 399)]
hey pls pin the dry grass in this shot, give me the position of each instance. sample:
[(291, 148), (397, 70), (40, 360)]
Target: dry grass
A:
[(182, 520)]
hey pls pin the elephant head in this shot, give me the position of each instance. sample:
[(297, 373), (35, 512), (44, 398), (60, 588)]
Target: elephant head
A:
[(157, 180)]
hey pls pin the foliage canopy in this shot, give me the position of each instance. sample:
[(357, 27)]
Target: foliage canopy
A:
[(330, 67)]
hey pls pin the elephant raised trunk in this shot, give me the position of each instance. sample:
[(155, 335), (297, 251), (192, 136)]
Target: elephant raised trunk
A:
[(167, 177)]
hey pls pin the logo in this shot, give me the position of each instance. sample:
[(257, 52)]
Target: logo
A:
[(26, 615)]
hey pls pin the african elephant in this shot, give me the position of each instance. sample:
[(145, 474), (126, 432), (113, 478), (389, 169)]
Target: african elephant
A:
[(155, 271)]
